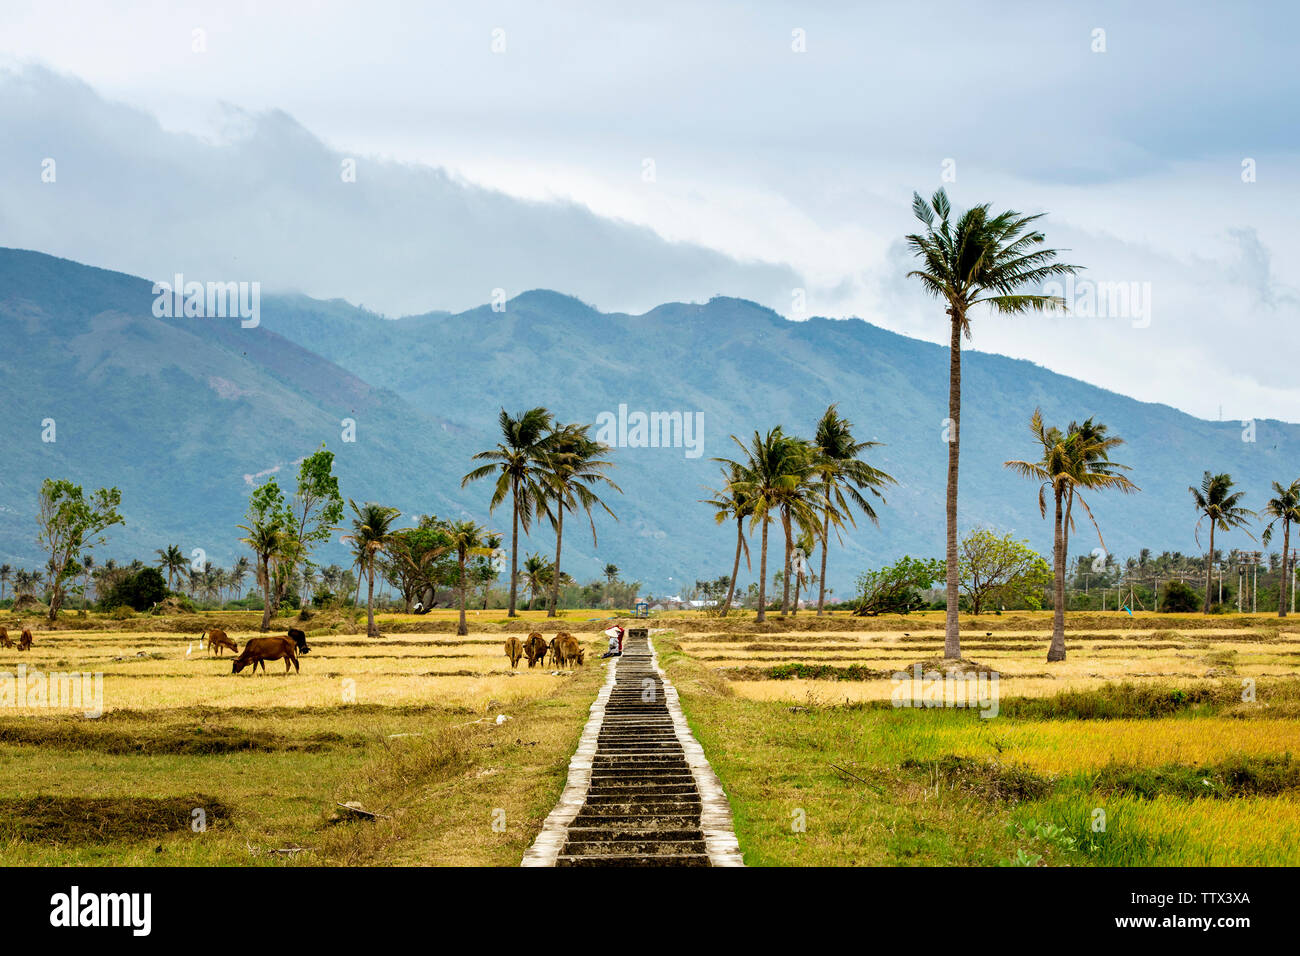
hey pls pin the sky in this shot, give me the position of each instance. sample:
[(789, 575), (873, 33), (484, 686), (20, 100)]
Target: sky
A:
[(680, 150)]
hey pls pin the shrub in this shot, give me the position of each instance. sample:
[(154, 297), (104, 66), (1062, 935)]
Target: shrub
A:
[(1178, 597), (139, 591)]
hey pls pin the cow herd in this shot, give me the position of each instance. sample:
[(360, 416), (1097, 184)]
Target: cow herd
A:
[(563, 650), (258, 650), (24, 641)]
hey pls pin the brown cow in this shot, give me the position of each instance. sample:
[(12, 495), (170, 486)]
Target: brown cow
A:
[(219, 641), (535, 649), (572, 650), (25, 641), (514, 650), (259, 650), (5, 639), (555, 652)]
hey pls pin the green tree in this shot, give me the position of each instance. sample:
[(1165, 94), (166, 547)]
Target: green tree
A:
[(68, 524), (1000, 569), (517, 461), (314, 512), (1216, 501), (777, 482), (269, 538), (844, 477), (171, 561), (1284, 506), (981, 259), (730, 502), (574, 468), (1069, 463), (418, 559), (372, 532), (895, 589), (468, 540)]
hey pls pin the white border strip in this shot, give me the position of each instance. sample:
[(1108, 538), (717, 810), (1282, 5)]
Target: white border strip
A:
[(715, 812), (545, 850)]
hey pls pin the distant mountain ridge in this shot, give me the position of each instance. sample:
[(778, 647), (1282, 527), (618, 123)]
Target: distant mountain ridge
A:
[(177, 412)]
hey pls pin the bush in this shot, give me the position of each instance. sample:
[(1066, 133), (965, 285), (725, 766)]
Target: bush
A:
[(1178, 597), (122, 612), (139, 591)]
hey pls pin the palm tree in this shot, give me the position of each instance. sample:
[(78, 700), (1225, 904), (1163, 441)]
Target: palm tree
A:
[(979, 259), (777, 480), (517, 461), (268, 540), (467, 539), (843, 473), (372, 532), (802, 552), (1096, 446), (5, 572), (573, 467), (536, 574), (1284, 506), (1216, 500), (1065, 468), (731, 502), (238, 571), (172, 561)]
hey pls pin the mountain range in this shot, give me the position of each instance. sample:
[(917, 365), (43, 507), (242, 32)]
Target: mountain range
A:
[(186, 415)]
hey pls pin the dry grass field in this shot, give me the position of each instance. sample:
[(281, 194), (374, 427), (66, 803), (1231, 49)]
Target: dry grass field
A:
[(405, 725), (1161, 740)]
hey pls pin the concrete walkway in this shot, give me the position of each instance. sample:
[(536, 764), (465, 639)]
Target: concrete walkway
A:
[(640, 790)]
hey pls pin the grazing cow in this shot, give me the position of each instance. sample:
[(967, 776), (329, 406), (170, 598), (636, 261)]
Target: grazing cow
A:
[(514, 650), (300, 640), (535, 648), (572, 650), (25, 641), (5, 639), (555, 652), (259, 650), (218, 641)]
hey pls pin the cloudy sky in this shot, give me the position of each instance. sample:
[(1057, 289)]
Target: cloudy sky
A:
[(680, 150)]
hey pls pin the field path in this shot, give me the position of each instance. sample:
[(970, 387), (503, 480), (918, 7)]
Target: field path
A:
[(640, 790)]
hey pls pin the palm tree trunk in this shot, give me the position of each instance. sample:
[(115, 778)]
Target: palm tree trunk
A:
[(789, 549), (1286, 576), (1057, 651), (762, 577), (371, 630), (952, 635), (462, 629), (735, 565), (1209, 568), (826, 543), (794, 608), (514, 550), (266, 595), (555, 583)]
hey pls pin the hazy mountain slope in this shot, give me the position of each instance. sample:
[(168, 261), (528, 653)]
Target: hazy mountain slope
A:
[(177, 412)]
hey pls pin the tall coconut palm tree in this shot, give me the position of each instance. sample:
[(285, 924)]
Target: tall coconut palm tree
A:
[(1095, 444), (238, 571), (1216, 501), (980, 259), (574, 467), (372, 532), (517, 461), (844, 476), (731, 503), (1284, 506), (171, 561), (803, 549), (468, 539), (778, 472), (1064, 467)]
